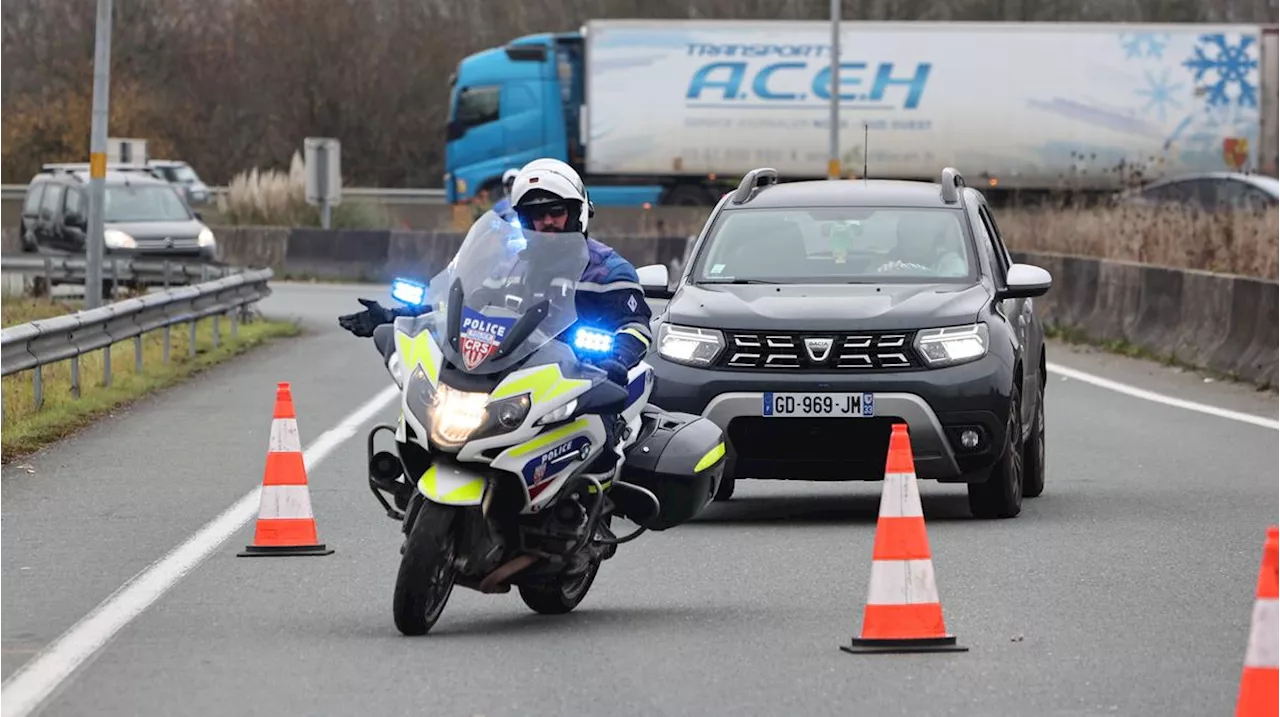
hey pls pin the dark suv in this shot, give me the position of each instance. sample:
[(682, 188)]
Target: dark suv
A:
[(143, 216), (812, 316)]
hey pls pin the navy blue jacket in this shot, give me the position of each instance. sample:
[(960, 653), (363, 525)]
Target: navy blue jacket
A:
[(610, 298)]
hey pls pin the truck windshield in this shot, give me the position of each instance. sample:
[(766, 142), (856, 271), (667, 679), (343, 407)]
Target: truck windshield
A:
[(476, 105), (838, 245)]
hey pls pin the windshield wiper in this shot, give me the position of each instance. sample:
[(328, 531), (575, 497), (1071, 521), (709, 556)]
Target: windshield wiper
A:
[(737, 281)]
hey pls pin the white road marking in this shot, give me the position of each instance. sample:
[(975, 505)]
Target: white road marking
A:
[(1161, 398), (27, 688)]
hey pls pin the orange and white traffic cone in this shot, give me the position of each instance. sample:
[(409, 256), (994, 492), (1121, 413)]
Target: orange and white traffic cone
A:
[(903, 613), (1260, 684), (286, 524)]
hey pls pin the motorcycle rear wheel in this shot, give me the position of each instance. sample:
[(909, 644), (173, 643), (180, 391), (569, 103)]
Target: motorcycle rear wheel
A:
[(560, 594), (426, 577)]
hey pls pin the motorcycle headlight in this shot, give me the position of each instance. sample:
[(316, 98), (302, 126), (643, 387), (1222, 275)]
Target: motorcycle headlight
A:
[(456, 417), (559, 414), (689, 345), (952, 345)]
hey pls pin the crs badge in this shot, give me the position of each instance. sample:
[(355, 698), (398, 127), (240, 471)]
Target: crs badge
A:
[(1235, 152), (480, 336)]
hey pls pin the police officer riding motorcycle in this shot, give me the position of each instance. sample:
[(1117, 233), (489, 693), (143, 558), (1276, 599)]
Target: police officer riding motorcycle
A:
[(549, 196)]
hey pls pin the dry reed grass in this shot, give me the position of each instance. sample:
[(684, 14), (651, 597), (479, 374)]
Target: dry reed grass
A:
[(1239, 243), (275, 198)]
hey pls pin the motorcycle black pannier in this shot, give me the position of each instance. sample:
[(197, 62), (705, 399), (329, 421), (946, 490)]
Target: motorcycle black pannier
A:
[(665, 458)]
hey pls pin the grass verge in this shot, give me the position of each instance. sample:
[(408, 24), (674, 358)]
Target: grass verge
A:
[(27, 428)]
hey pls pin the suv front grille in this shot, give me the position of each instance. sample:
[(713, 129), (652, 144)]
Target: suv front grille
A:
[(818, 351)]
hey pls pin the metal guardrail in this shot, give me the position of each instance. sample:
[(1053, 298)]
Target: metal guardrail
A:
[(72, 269), (16, 192), (39, 343)]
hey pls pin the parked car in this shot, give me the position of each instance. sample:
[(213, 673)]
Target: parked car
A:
[(1207, 192), (143, 216), (181, 175), (813, 315)]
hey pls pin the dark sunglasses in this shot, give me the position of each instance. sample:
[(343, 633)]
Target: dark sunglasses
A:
[(539, 211)]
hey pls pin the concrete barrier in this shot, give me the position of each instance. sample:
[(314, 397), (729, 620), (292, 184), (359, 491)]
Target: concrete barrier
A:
[(363, 255), (1219, 322)]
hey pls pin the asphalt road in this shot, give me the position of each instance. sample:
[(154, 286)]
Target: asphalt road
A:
[(1126, 589)]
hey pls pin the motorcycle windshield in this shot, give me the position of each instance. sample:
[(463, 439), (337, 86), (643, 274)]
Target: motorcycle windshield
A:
[(506, 293)]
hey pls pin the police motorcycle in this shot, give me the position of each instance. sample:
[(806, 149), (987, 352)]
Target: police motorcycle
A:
[(501, 410)]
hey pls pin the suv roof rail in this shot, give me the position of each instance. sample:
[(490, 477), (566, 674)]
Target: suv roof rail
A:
[(759, 177), (952, 182), (73, 167)]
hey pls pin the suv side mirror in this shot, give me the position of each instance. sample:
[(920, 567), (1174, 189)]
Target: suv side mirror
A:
[(197, 215), (1025, 281), (654, 279), (75, 219)]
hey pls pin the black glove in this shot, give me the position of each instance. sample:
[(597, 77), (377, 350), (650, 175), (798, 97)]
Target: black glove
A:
[(364, 322), (616, 369)]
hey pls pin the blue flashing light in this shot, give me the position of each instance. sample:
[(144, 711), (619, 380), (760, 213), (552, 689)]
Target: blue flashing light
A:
[(408, 292), (593, 340)]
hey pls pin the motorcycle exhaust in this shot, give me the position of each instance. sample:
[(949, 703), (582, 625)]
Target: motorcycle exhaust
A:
[(496, 581)]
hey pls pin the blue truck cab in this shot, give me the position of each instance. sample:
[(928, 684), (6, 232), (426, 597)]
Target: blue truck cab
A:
[(513, 104)]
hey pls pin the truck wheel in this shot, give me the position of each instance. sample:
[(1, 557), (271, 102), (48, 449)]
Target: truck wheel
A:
[(688, 195), (1033, 452), (1000, 496)]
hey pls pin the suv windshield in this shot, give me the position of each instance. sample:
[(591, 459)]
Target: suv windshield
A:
[(145, 203), (838, 245)]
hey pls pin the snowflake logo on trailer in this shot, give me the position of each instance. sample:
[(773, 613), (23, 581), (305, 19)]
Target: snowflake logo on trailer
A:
[(480, 336), (1231, 70)]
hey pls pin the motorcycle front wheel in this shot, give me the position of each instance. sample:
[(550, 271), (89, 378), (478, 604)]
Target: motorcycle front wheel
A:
[(426, 576)]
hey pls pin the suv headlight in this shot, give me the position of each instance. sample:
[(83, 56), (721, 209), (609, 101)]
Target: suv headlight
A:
[(952, 345), (689, 345), (205, 238)]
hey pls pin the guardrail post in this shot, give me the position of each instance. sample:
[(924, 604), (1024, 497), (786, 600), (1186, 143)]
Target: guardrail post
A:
[(216, 317), (166, 286), (106, 366), (137, 354), (75, 376), (39, 387), (191, 344)]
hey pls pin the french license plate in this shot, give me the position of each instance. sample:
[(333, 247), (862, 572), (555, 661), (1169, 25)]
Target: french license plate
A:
[(818, 405)]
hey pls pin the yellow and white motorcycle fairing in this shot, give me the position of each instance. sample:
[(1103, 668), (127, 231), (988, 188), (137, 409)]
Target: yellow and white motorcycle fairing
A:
[(544, 450)]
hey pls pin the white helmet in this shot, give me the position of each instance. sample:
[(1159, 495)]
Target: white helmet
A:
[(549, 180)]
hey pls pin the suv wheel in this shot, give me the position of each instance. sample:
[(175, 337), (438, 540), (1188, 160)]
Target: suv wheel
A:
[(1033, 452), (1000, 496)]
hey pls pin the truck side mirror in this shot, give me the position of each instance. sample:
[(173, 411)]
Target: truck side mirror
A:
[(454, 130)]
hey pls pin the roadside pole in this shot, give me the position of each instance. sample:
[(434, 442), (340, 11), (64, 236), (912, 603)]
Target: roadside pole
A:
[(94, 242), (833, 160)]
